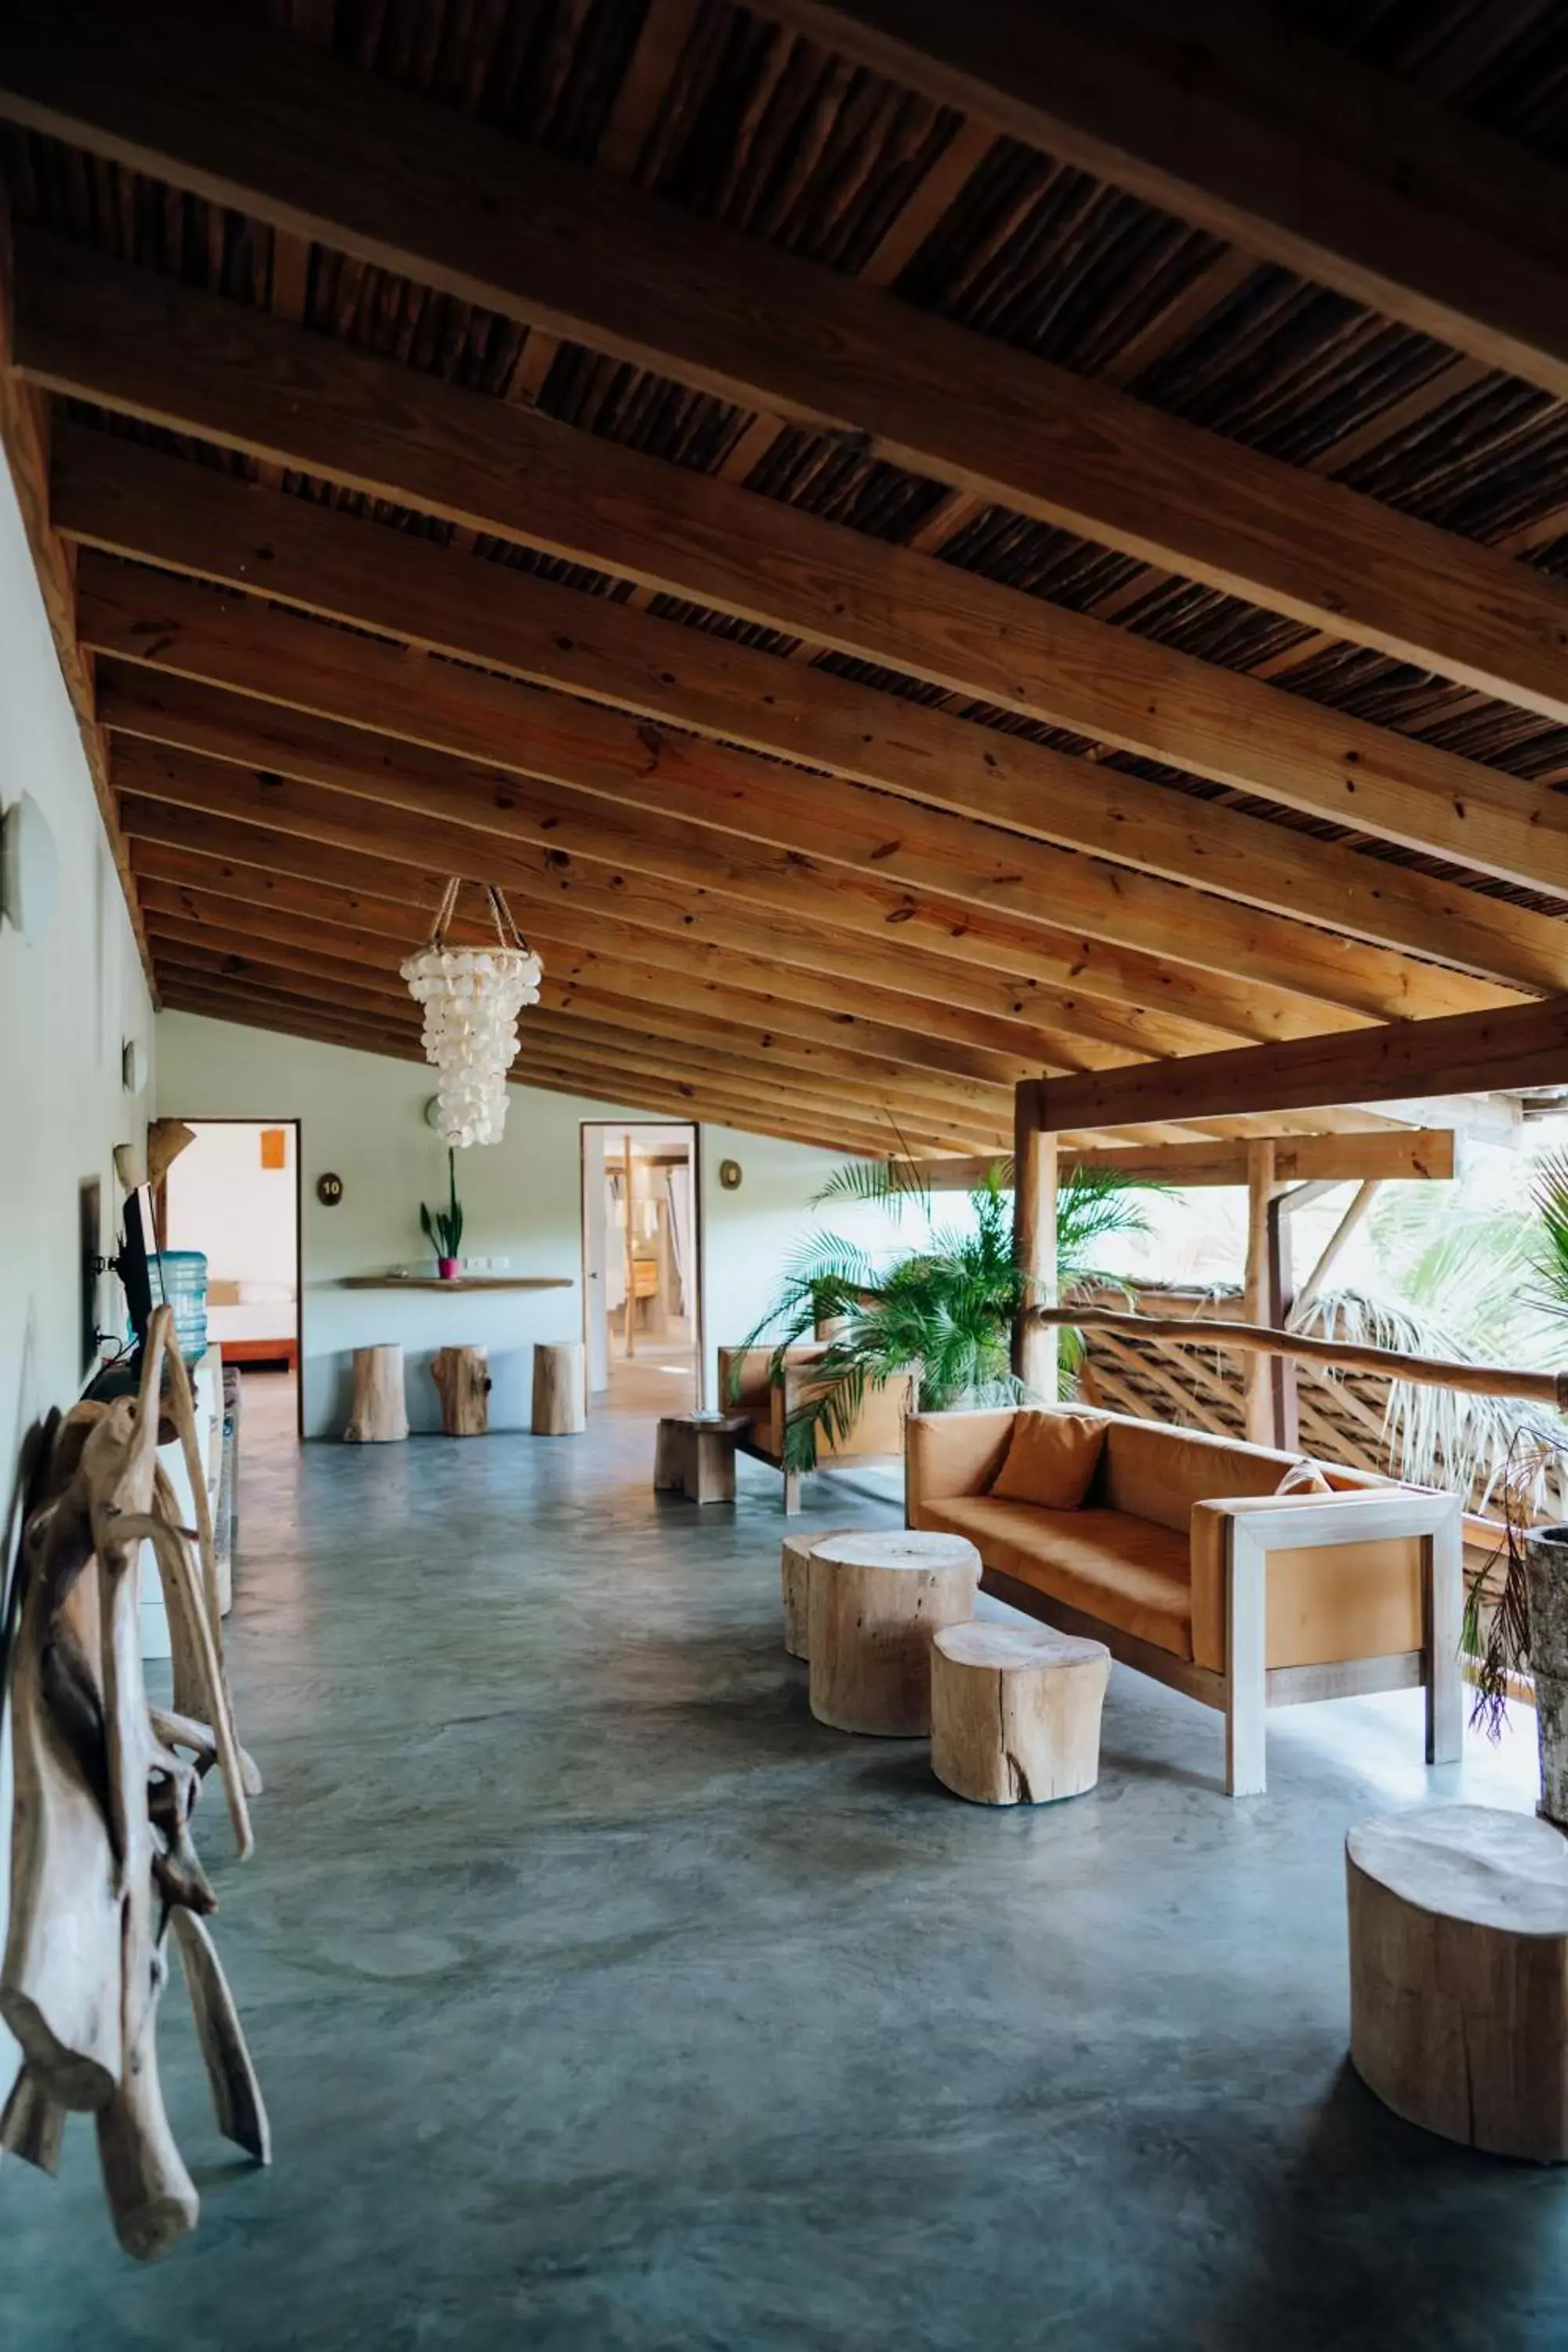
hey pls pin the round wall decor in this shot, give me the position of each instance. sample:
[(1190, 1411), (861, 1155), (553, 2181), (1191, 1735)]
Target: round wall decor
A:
[(328, 1191), (730, 1175)]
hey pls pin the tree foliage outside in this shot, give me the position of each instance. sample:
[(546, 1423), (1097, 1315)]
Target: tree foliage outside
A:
[(942, 1312)]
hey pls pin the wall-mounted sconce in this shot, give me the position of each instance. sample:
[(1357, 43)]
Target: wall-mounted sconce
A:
[(134, 1065), (730, 1174), (29, 867)]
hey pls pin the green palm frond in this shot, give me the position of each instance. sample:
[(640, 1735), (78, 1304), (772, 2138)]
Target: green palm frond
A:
[(943, 1312)]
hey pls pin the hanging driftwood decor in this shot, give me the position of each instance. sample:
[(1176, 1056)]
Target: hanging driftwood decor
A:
[(104, 1866)]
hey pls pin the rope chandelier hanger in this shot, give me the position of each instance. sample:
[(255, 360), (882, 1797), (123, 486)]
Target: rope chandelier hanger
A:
[(471, 997)]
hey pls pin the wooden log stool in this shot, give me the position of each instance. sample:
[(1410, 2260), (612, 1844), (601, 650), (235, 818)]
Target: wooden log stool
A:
[(1014, 1713), (462, 1375), (694, 1455), (875, 1602), (560, 1391), (380, 1415), (794, 1569), (1458, 1929)]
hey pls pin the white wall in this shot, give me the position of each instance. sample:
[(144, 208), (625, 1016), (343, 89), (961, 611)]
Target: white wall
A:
[(363, 1118), (67, 1003), (224, 1203)]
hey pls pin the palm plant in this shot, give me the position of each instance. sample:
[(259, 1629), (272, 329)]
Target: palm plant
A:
[(945, 1312), (1536, 1446)]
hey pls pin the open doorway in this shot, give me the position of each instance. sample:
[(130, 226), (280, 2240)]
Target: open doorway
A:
[(233, 1194), (641, 1260)]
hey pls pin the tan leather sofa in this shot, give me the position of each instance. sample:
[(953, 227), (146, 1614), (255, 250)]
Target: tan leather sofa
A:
[(746, 1387), (1187, 1562)]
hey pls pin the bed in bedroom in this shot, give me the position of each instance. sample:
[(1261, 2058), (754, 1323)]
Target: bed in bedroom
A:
[(255, 1322)]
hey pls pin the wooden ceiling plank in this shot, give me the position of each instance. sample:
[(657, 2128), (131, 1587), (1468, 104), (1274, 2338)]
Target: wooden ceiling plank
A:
[(219, 890), (201, 365), (595, 998), (248, 980), (592, 959), (1523, 1046), (992, 1011), (109, 495), (313, 149), (1238, 123), (215, 1001), (1219, 959), (798, 876)]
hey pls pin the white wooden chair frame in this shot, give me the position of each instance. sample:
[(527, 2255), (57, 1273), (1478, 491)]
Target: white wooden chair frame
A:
[(1258, 1527)]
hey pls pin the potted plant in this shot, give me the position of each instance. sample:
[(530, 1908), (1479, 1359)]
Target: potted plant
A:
[(1528, 1628), (443, 1228), (945, 1312)]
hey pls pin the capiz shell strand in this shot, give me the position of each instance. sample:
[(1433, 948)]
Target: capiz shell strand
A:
[(471, 998)]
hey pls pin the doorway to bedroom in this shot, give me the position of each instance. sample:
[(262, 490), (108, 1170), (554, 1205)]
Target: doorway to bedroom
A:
[(641, 1256), (233, 1194)]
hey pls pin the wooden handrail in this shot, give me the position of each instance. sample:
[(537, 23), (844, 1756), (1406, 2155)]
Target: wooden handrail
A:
[(1347, 1356)]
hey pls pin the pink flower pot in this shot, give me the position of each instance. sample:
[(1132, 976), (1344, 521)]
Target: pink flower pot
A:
[(447, 1267)]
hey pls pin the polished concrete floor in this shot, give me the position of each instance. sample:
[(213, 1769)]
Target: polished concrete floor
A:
[(604, 2000)]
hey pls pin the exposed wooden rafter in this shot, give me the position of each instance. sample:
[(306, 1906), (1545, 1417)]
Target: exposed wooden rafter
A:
[(313, 152), (200, 364), (110, 494)]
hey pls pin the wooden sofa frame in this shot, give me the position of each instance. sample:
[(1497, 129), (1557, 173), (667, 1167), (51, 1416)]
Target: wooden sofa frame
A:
[(1257, 1528)]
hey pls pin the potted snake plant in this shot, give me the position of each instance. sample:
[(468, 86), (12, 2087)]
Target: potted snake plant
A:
[(443, 1228)]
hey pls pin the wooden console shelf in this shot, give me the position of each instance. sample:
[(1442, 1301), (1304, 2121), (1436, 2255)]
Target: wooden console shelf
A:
[(460, 1282)]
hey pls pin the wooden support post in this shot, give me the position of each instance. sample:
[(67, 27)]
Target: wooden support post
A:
[(1036, 1349), (1257, 1384), (1283, 1400), (628, 1180)]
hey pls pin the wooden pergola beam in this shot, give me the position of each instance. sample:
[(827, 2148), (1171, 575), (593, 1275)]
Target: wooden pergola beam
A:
[(1236, 122), (198, 363), (1133, 937), (1420, 1155), (263, 126), (1522, 1046), (111, 494)]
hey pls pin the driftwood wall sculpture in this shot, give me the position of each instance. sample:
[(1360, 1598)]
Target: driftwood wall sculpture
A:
[(104, 1869)]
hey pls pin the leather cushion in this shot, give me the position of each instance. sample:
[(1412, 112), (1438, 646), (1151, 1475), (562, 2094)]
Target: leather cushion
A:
[(1052, 1460), (1131, 1574)]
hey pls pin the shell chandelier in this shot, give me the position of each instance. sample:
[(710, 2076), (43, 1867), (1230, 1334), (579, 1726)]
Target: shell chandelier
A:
[(471, 997)]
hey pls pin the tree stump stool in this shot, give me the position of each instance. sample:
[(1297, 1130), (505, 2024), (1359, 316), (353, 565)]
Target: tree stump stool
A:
[(875, 1602), (1458, 1929), (694, 1455), (462, 1375), (794, 1569), (380, 1415), (560, 1391), (1014, 1713)]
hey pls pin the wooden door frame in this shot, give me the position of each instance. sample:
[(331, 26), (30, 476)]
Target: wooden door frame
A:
[(693, 1128)]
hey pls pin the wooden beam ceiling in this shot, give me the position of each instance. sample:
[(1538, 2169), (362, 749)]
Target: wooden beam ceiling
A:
[(199, 365), (174, 742), (304, 145), (987, 1010), (109, 493), (1523, 1046), (1424, 1155), (1233, 121)]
